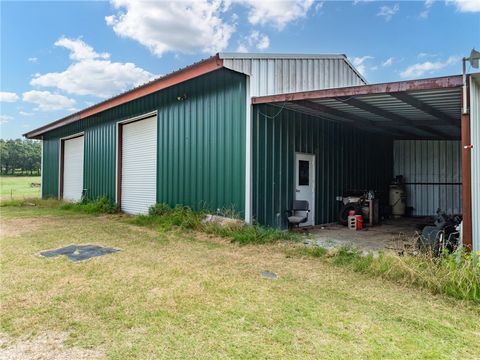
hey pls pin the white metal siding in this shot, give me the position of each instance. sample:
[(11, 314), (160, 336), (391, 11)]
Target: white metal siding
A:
[(139, 166), (73, 169), (271, 76), (475, 140), (432, 171)]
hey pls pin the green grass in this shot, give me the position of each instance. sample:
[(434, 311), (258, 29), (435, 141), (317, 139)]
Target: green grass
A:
[(18, 187), (162, 217), (182, 294), (456, 275)]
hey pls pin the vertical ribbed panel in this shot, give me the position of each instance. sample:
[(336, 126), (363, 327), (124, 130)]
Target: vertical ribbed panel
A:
[(201, 143), (270, 76), (100, 160), (346, 159), (50, 174), (432, 172), (475, 140)]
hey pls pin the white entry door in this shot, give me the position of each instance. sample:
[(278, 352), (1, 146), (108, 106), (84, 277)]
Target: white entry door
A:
[(73, 169), (139, 166), (305, 183)]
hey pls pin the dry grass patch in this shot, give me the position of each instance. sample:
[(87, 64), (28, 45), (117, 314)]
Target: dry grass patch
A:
[(17, 227), (180, 294), (47, 346)]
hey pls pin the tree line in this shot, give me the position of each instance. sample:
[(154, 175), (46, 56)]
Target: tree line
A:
[(20, 157)]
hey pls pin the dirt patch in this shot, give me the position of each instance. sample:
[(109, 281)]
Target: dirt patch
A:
[(17, 227), (49, 345)]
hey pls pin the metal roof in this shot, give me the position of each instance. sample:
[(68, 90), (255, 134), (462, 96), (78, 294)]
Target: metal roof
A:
[(239, 55), (415, 109), (300, 78), (320, 67), (189, 72)]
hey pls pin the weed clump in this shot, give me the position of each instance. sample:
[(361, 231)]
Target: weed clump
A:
[(454, 274), (101, 205), (165, 218)]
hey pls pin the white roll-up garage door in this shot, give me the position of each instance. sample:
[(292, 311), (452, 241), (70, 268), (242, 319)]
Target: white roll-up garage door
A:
[(73, 169), (139, 166)]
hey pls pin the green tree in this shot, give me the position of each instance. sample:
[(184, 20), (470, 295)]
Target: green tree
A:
[(20, 156)]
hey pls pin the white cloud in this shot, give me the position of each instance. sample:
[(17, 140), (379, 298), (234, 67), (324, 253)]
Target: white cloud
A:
[(276, 12), (6, 96), (426, 55), (242, 48), (24, 113), (355, 2), (466, 5), (388, 11), (92, 73), (388, 62), (359, 63), (184, 26), (79, 50), (427, 67), (5, 119), (426, 10), (47, 101), (319, 6), (33, 59), (254, 39)]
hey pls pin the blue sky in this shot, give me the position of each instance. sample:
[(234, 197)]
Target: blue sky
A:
[(60, 57)]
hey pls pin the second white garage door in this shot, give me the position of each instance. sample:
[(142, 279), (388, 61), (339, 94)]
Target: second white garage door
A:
[(73, 169), (139, 166)]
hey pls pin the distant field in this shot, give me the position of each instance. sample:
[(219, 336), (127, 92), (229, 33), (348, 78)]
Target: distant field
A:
[(18, 187)]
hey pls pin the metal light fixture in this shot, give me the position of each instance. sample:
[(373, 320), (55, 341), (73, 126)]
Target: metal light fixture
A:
[(473, 59)]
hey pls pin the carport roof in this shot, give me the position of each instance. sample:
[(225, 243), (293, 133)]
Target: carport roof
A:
[(414, 109)]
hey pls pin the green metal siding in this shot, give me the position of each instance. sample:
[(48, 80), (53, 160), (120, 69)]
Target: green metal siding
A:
[(201, 143), (50, 175), (345, 159)]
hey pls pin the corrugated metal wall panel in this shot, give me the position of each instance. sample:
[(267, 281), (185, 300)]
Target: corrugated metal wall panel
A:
[(50, 174), (432, 172), (201, 149), (100, 160), (346, 159), (269, 76), (475, 140)]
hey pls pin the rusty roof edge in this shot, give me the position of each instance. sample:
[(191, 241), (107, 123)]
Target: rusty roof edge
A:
[(380, 88), (129, 95)]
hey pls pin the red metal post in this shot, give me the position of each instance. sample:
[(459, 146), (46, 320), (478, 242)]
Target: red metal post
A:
[(119, 164), (466, 176), (62, 167)]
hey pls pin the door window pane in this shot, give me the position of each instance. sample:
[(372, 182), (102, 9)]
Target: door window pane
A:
[(303, 172)]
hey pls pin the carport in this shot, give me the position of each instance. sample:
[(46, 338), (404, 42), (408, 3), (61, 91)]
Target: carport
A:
[(363, 136)]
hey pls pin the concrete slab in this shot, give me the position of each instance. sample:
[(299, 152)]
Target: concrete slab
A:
[(396, 235)]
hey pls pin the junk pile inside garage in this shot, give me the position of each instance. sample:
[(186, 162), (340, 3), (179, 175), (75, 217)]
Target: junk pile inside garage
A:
[(420, 209)]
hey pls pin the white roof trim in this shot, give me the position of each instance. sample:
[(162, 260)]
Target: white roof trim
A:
[(273, 56), (237, 55)]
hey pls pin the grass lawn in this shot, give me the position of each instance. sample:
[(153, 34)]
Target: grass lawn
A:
[(18, 187), (179, 294)]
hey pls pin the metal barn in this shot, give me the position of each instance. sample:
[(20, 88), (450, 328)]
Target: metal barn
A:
[(236, 131)]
